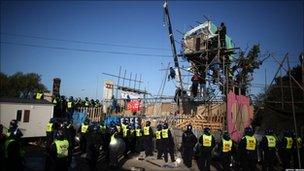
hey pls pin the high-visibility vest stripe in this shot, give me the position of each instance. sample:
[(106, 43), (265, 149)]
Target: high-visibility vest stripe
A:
[(207, 140), (49, 127), (165, 133), (146, 130), (227, 145), (158, 135), (250, 142), (62, 147), (138, 132), (84, 128), (271, 141), (289, 142)]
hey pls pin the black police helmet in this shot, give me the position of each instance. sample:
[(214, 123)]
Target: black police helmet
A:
[(13, 124), (159, 127), (148, 123), (207, 130), (226, 135), (189, 127), (165, 125), (248, 131)]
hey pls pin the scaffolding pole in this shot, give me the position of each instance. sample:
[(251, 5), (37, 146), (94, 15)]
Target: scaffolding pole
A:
[(293, 113)]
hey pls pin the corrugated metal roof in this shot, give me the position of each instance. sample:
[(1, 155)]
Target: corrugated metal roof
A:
[(22, 100)]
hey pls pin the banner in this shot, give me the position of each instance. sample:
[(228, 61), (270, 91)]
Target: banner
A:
[(134, 105), (239, 115)]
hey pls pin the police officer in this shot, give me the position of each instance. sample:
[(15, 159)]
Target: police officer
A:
[(168, 143), (298, 144), (39, 95), (14, 129), (138, 134), (126, 137), (132, 138), (94, 142), (116, 146), (148, 139), (285, 149), (158, 141), (268, 146), (12, 148), (226, 147), (69, 133), (51, 129), (63, 106), (247, 149), (86, 102), (204, 148), (188, 142), (56, 102), (60, 152), (70, 107), (83, 135)]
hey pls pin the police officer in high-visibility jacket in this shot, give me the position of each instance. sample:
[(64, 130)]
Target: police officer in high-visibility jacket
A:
[(139, 138), (70, 107), (60, 152), (125, 137), (168, 143), (158, 141), (13, 151), (56, 103), (298, 144), (83, 135), (285, 149), (203, 150), (188, 142), (226, 148), (38, 95), (268, 146), (247, 149), (132, 138), (148, 139), (94, 141)]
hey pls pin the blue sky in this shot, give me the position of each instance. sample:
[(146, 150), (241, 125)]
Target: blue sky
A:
[(276, 25)]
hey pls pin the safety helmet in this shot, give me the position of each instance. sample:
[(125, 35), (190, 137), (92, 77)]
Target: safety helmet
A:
[(165, 125), (112, 129), (226, 135), (189, 127), (207, 130), (248, 131), (159, 127), (13, 124), (87, 121), (148, 123), (269, 131)]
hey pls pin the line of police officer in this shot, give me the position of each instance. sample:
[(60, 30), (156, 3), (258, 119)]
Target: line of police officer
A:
[(245, 152)]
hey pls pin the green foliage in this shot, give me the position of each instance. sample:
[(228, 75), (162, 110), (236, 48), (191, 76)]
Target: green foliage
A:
[(246, 66), (20, 85)]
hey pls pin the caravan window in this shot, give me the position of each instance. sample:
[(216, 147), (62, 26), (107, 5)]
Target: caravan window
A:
[(19, 115), (26, 117)]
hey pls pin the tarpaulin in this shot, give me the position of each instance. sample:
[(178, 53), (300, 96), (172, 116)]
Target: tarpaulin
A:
[(239, 115)]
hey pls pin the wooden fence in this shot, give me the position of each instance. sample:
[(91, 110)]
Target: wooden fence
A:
[(95, 114)]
